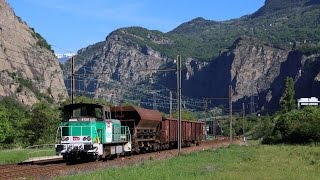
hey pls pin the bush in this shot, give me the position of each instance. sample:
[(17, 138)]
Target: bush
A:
[(41, 41), (296, 127)]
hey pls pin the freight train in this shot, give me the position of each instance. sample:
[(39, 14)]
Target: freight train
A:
[(93, 131)]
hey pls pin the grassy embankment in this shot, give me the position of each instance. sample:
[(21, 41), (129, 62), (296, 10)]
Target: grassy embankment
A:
[(19, 155), (235, 162)]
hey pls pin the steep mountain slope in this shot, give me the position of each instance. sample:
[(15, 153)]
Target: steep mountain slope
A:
[(29, 69), (255, 69), (114, 63), (250, 53)]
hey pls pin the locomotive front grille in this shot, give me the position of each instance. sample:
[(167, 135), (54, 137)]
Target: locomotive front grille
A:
[(88, 146)]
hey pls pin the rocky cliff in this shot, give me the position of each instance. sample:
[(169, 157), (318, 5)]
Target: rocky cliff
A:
[(253, 53), (116, 65), (29, 70), (256, 69)]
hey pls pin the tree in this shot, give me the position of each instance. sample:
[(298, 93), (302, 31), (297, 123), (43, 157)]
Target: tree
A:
[(16, 114), (287, 101), (5, 126), (43, 123), (84, 99), (185, 115)]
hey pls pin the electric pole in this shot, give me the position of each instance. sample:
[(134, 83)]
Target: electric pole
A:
[(179, 101), (252, 109), (154, 105), (72, 80), (170, 104), (205, 116), (215, 123), (230, 112), (243, 114)]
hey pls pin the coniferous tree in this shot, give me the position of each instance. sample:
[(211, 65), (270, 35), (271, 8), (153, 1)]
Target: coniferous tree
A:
[(287, 101)]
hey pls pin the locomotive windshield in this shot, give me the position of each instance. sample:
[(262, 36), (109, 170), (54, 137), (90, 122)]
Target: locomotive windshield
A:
[(82, 112)]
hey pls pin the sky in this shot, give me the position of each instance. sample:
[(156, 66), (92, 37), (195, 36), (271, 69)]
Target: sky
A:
[(69, 25)]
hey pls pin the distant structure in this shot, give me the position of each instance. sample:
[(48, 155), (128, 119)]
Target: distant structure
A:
[(313, 101)]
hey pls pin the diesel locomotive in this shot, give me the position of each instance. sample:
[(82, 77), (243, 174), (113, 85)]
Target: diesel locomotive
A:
[(93, 131)]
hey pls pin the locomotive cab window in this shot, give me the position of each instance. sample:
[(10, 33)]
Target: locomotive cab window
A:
[(83, 112)]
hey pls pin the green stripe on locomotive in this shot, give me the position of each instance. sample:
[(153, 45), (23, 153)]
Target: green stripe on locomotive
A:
[(95, 129)]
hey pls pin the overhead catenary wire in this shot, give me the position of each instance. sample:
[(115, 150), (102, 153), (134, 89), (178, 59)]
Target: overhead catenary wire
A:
[(189, 101)]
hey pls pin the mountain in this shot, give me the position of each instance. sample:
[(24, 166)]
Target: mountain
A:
[(62, 58), (29, 69), (253, 53), (256, 69)]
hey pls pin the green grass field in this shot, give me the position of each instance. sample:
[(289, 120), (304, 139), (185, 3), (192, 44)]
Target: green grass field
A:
[(19, 155), (235, 162)]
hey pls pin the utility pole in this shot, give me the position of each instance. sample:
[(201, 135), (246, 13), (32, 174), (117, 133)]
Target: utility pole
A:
[(170, 104), (205, 116), (252, 109), (154, 105), (214, 123), (230, 112), (72, 80), (179, 101), (243, 114)]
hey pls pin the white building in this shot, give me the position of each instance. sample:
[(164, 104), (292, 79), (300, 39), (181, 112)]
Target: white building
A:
[(313, 101)]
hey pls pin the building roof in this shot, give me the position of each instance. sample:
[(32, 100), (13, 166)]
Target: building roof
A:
[(308, 100)]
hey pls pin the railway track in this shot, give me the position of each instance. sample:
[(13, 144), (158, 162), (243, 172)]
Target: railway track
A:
[(46, 170), (21, 171)]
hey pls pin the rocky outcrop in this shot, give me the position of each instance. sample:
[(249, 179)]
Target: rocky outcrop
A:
[(255, 66), (29, 71), (249, 66), (117, 65), (258, 70), (307, 79), (316, 86)]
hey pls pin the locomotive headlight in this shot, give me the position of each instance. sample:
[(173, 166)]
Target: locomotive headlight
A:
[(89, 138), (84, 138)]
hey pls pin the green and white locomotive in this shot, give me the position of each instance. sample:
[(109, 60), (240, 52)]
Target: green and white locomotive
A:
[(88, 132)]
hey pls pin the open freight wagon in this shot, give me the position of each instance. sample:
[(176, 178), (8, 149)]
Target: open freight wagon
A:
[(192, 132)]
